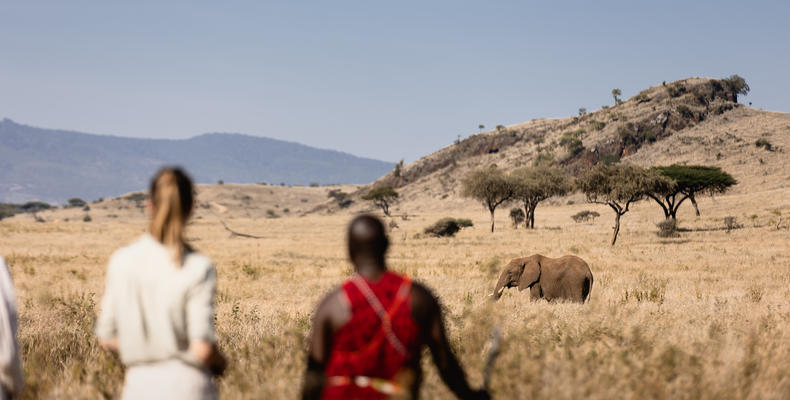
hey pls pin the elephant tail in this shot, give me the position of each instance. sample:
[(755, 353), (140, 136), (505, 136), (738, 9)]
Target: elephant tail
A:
[(587, 288)]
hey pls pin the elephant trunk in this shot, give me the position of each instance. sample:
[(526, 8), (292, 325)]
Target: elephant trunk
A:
[(500, 287)]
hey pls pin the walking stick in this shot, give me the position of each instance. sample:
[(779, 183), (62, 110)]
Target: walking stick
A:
[(493, 352)]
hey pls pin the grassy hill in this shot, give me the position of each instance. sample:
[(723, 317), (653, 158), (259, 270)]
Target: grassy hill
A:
[(694, 121)]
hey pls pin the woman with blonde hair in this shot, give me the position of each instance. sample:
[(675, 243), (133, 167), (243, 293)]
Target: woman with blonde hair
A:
[(158, 306)]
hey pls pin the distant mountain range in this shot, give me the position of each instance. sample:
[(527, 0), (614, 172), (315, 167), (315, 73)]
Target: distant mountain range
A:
[(54, 165)]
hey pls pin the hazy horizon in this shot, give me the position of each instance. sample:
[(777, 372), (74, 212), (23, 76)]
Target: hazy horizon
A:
[(384, 81)]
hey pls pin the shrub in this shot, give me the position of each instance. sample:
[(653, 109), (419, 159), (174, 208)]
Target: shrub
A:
[(446, 227), (314, 184), (676, 90), (87, 218), (271, 214), (517, 216), (764, 144), (136, 197), (685, 112), (609, 159), (220, 182), (76, 202), (572, 142), (597, 125), (701, 97), (399, 166), (641, 98), (574, 146), (34, 206), (464, 222), (584, 216), (544, 159), (336, 194), (668, 228)]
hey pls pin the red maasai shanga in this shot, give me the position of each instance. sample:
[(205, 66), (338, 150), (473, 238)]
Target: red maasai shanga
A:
[(365, 346)]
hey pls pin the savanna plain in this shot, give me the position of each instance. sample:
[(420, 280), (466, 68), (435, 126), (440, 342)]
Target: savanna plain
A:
[(705, 315)]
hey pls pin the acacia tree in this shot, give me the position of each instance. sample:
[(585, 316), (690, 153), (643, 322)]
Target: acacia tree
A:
[(383, 197), (689, 180), (616, 93), (619, 185), (531, 185), (490, 186), (736, 85)]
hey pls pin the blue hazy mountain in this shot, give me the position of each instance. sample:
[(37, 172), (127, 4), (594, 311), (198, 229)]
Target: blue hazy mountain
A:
[(54, 165)]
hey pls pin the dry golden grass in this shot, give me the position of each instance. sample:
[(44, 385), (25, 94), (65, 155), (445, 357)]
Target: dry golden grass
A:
[(705, 315)]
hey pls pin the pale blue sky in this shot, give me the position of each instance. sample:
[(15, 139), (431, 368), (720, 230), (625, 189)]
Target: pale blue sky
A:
[(379, 79)]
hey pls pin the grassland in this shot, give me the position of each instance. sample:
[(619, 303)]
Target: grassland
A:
[(705, 315)]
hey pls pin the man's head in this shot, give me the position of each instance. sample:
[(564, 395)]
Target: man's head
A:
[(367, 241)]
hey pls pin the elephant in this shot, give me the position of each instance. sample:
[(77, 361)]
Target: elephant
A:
[(565, 278)]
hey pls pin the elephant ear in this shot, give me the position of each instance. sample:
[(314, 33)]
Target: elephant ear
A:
[(531, 274)]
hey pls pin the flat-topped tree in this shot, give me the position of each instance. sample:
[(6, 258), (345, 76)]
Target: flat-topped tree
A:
[(736, 85), (490, 186), (383, 197), (531, 185), (619, 185), (690, 180)]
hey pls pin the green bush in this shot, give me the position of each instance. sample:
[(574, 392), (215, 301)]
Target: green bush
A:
[(76, 202), (137, 197), (685, 112), (597, 125), (571, 140), (87, 218), (641, 98), (34, 206), (464, 222), (609, 159), (447, 227), (584, 216), (544, 159), (676, 90), (764, 144)]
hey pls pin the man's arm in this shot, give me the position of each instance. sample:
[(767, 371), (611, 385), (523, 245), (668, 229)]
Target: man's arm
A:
[(428, 314), (332, 313)]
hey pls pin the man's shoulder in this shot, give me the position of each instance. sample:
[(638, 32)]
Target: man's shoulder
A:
[(333, 308), (424, 304)]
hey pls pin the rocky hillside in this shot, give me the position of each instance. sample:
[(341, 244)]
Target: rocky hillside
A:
[(693, 121)]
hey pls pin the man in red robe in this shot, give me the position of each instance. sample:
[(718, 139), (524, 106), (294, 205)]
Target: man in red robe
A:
[(368, 335)]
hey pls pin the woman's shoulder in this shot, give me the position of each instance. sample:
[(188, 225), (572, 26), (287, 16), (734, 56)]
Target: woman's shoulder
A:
[(143, 244), (199, 264)]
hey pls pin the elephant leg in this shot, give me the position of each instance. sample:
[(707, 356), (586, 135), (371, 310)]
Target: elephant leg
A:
[(535, 292)]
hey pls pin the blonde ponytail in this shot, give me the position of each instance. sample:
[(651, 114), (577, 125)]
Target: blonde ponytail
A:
[(171, 198)]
